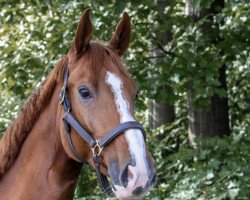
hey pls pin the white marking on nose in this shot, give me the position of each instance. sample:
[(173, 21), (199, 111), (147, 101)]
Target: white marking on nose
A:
[(134, 137)]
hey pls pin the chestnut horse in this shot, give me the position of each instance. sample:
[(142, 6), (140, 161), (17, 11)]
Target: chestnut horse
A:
[(40, 157)]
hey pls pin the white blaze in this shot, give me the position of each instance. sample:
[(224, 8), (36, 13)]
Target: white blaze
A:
[(134, 137)]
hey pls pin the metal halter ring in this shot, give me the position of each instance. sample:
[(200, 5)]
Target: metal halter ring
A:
[(96, 150)]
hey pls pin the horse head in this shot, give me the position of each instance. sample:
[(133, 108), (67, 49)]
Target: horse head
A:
[(102, 96)]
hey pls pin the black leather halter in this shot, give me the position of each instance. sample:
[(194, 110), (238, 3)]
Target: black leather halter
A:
[(95, 145)]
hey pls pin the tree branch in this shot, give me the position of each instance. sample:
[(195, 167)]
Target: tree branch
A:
[(155, 57), (162, 48)]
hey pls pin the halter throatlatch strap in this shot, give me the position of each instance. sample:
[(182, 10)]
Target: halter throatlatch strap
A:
[(95, 145)]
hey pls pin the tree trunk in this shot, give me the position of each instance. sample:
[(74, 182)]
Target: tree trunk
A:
[(215, 121), (161, 112)]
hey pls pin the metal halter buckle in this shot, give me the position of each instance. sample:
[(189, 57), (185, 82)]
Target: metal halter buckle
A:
[(96, 150)]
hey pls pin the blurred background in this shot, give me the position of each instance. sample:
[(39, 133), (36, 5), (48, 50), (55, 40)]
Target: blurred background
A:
[(191, 61)]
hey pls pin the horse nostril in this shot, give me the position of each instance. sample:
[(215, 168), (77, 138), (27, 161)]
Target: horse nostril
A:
[(124, 177), (127, 174)]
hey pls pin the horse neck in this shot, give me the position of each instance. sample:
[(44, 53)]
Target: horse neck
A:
[(42, 156)]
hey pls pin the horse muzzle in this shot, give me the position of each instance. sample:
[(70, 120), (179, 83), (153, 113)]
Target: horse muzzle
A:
[(131, 182)]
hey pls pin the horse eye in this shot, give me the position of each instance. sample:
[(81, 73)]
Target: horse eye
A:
[(85, 93)]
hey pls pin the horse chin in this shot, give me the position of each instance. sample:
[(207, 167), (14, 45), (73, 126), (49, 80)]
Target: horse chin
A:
[(126, 194), (134, 190)]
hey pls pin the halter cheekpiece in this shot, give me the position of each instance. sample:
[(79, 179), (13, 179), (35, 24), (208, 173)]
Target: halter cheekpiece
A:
[(95, 145)]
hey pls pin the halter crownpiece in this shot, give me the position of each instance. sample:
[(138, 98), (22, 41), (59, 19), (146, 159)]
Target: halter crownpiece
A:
[(95, 145)]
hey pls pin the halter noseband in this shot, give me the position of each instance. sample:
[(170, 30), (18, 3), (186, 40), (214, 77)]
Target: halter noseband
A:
[(95, 145)]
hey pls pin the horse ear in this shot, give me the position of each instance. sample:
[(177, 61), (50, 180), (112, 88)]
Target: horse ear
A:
[(84, 33), (121, 37)]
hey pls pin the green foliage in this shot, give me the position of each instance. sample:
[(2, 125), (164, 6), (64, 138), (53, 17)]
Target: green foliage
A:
[(88, 186), (217, 169), (35, 34)]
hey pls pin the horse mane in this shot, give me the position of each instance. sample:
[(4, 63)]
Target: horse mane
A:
[(14, 136)]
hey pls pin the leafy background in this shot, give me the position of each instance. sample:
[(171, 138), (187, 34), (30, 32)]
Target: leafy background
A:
[(34, 34)]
